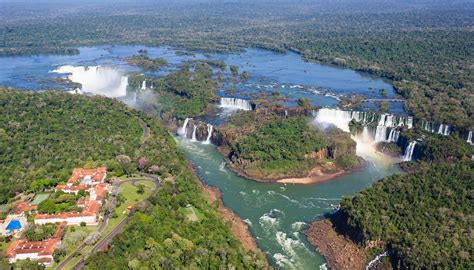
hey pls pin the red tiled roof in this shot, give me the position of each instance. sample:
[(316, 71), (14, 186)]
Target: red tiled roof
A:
[(22, 207), (70, 188), (79, 173), (42, 248)]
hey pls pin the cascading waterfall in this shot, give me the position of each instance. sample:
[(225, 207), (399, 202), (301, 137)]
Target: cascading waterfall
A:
[(376, 260), (381, 133), (393, 136), (469, 138), (193, 137), (183, 130), (409, 151), (443, 130), (209, 134), (235, 103), (144, 85), (99, 80), (286, 113)]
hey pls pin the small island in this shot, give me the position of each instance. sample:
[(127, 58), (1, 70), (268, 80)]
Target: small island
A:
[(265, 146), (145, 62)]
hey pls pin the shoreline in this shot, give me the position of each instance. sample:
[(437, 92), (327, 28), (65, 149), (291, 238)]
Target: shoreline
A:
[(315, 175), (239, 228), (338, 251)]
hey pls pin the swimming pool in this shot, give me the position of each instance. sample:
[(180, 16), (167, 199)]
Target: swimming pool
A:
[(14, 225)]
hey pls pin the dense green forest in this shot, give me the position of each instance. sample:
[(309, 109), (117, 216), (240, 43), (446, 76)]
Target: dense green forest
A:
[(425, 47), (184, 93), (264, 145), (424, 218), (46, 134)]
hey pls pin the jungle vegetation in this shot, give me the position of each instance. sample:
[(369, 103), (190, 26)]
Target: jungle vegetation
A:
[(44, 135), (268, 146), (424, 219), (426, 47)]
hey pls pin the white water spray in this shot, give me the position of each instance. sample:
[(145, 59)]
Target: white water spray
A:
[(209, 134), (236, 104), (409, 151), (183, 130), (193, 137), (97, 80)]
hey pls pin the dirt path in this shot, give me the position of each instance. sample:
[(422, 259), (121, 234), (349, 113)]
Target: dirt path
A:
[(340, 253), (146, 130)]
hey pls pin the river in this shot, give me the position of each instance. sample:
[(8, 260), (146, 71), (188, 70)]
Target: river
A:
[(276, 213)]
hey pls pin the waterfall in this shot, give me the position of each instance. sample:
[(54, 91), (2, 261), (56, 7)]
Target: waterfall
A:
[(409, 122), (443, 130), (193, 138), (393, 136), (98, 80), (236, 103), (374, 262), (286, 113), (209, 134), (144, 85), (365, 134), (381, 133), (409, 151), (183, 130), (469, 138)]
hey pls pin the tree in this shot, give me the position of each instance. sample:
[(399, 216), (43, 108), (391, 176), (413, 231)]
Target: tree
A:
[(83, 224), (303, 102), (234, 70), (125, 161), (244, 76), (140, 189)]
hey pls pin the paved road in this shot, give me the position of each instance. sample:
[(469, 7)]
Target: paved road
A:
[(102, 226)]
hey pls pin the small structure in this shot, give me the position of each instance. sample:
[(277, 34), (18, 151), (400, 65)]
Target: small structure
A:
[(41, 251)]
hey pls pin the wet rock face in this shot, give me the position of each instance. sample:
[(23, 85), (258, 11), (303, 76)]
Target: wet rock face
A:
[(202, 130)]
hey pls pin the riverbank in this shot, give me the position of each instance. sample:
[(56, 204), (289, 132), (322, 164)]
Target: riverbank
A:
[(238, 227), (339, 251)]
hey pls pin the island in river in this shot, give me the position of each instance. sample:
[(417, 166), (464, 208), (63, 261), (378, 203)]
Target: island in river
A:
[(267, 146)]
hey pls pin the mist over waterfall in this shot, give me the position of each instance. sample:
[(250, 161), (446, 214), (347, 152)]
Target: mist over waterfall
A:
[(235, 103), (409, 151), (385, 131), (99, 80)]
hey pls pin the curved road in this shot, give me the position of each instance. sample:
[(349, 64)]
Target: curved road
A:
[(102, 226)]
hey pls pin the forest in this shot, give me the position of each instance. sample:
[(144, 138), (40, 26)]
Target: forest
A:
[(424, 219), (44, 135), (183, 93), (267, 146), (425, 48)]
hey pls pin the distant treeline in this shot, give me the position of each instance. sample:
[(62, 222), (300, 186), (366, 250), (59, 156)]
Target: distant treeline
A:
[(427, 48)]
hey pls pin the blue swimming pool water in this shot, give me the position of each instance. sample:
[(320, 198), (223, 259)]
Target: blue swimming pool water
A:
[(14, 225)]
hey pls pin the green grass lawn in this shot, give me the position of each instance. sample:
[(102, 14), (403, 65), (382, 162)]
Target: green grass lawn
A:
[(40, 197)]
